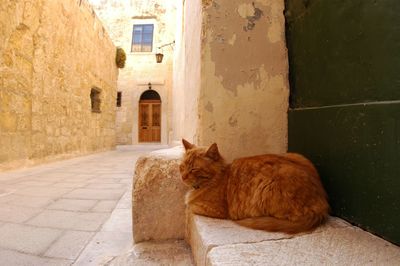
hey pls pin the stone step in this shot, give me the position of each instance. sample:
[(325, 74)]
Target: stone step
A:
[(222, 242), (159, 215)]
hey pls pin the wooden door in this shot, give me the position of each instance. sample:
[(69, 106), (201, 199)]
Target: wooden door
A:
[(150, 121)]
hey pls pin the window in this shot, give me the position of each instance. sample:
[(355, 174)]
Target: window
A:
[(119, 98), (95, 100), (142, 38)]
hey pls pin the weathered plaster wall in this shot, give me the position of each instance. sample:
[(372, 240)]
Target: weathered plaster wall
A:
[(236, 79), (192, 67), (178, 72), (141, 68), (51, 54)]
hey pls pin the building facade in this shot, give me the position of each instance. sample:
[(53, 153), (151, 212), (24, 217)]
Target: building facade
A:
[(144, 107), (58, 82)]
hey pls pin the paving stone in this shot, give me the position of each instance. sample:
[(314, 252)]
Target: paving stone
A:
[(104, 247), (34, 183), (120, 221), (126, 201), (126, 181), (105, 185), (100, 194), (74, 184), (72, 205), (104, 206), (16, 214), (27, 239), (104, 180), (15, 258), (69, 245), (27, 201), (85, 221), (43, 192), (175, 252)]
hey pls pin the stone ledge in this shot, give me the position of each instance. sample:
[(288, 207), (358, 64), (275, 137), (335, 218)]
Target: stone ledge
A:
[(158, 211), (159, 214), (222, 242)]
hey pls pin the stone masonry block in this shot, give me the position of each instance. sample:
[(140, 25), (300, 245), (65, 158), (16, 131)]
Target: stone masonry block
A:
[(222, 242), (158, 208)]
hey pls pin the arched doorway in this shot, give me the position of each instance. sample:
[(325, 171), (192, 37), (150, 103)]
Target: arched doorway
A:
[(150, 117)]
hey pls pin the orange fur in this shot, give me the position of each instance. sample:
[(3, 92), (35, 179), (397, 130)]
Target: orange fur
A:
[(268, 192)]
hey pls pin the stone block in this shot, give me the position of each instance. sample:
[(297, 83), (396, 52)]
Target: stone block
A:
[(222, 242), (339, 246), (104, 206), (72, 205), (27, 239), (17, 214), (158, 209), (85, 221), (9, 257), (69, 245), (99, 194)]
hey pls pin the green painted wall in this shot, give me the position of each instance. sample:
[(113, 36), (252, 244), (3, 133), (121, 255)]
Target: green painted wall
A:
[(345, 104)]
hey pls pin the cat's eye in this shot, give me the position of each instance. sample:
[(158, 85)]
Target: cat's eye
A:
[(203, 177)]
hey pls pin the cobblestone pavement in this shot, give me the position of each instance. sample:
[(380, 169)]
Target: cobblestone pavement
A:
[(75, 211)]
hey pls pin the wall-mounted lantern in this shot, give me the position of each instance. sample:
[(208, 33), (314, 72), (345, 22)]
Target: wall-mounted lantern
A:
[(160, 55)]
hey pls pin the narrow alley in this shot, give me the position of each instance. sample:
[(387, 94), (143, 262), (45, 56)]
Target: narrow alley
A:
[(76, 211)]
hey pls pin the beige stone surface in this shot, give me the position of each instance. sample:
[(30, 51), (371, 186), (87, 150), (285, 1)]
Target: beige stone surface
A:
[(158, 211), (52, 53), (27, 239), (340, 246), (17, 214), (235, 87), (222, 242), (69, 245), (85, 221), (55, 230), (99, 194), (150, 253), (141, 67), (104, 247), (72, 205), (9, 257), (105, 206), (26, 201)]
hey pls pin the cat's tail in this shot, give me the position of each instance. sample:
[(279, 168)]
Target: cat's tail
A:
[(273, 224)]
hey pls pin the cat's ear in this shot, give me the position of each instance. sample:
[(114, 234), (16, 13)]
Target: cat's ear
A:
[(187, 144), (213, 152)]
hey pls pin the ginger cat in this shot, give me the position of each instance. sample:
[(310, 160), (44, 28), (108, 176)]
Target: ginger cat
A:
[(267, 192)]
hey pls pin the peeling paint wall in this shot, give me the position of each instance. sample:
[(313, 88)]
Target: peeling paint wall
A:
[(240, 98)]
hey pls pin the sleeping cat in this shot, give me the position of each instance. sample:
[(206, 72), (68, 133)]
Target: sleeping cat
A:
[(267, 192)]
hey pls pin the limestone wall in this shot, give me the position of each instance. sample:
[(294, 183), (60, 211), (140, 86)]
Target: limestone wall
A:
[(141, 67), (236, 79), (52, 53)]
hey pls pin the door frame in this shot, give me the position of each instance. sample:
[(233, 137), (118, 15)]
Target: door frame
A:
[(150, 120)]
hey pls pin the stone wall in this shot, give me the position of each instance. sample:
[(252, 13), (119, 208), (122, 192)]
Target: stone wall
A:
[(52, 53), (236, 76), (141, 67)]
